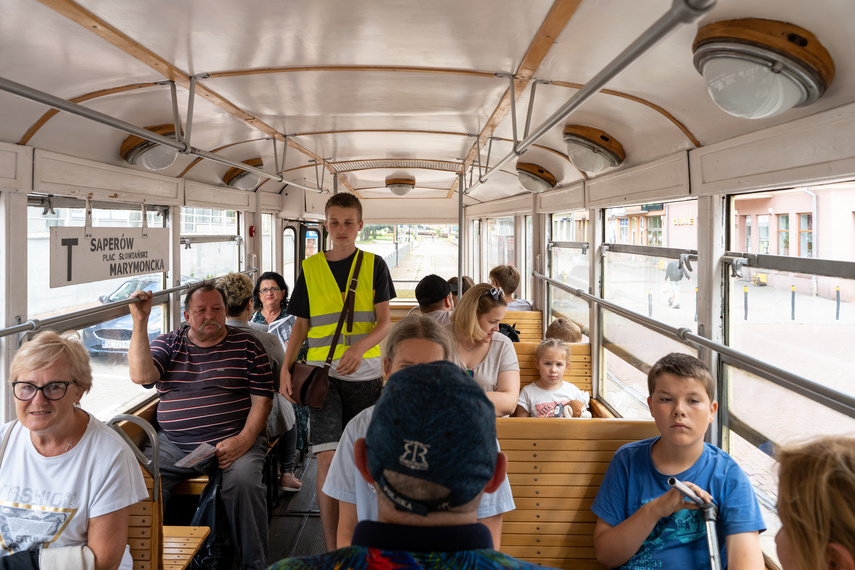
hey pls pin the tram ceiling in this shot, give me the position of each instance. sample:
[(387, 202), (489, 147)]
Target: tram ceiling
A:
[(345, 82)]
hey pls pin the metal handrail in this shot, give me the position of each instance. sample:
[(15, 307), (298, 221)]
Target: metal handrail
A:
[(38, 324), (681, 11), (839, 401)]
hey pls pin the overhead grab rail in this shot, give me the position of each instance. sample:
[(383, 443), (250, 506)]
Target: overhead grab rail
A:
[(808, 265), (681, 12), (158, 297), (828, 397), (183, 147)]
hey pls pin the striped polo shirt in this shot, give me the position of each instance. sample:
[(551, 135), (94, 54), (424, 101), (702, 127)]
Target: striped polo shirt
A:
[(205, 392)]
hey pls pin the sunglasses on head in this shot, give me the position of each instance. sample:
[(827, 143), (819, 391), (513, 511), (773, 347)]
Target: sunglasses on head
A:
[(495, 292)]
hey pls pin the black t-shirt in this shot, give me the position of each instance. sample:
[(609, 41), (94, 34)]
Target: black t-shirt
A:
[(384, 289)]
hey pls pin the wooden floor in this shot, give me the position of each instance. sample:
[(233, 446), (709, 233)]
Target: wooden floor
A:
[(296, 526)]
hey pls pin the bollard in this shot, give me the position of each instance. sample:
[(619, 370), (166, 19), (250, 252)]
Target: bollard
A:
[(793, 304), (696, 304), (650, 302), (746, 301), (837, 314)]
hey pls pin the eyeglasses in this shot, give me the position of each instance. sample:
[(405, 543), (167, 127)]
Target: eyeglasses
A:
[(267, 290), (25, 391), (495, 292)]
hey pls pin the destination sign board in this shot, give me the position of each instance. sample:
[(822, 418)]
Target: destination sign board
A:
[(105, 253)]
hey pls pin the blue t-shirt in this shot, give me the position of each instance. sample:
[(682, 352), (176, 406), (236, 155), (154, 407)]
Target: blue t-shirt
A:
[(677, 541)]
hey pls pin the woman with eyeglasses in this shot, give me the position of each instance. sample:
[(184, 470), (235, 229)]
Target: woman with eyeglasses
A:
[(485, 355), (67, 475), (270, 297)]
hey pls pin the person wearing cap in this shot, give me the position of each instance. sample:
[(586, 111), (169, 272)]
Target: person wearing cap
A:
[(431, 452), (434, 296), (412, 340)]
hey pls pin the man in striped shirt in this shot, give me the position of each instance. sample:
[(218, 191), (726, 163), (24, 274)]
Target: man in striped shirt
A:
[(215, 387)]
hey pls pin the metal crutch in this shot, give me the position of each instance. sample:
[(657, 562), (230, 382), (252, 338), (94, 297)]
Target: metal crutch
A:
[(709, 512)]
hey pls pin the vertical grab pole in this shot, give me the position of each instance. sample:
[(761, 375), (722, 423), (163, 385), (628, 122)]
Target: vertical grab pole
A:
[(460, 183), (709, 512)]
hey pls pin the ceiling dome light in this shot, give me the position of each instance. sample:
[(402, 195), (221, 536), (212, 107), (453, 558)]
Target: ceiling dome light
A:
[(757, 68), (535, 178), (400, 186), (243, 179), (592, 150), (150, 155)]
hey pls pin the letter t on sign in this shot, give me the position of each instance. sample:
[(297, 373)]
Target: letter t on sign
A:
[(69, 243)]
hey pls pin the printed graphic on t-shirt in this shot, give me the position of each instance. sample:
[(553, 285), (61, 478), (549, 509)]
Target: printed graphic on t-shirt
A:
[(553, 409), (683, 527), (28, 527)]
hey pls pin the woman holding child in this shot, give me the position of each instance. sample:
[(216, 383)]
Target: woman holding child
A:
[(486, 356)]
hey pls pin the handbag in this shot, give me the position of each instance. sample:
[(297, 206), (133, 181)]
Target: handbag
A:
[(310, 384), (216, 551)]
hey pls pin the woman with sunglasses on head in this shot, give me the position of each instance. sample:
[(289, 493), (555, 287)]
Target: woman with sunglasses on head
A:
[(68, 475), (485, 355)]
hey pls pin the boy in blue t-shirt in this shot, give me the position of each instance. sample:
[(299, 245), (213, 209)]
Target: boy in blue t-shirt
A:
[(643, 522)]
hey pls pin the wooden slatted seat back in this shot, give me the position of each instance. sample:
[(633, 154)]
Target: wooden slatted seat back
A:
[(529, 324), (578, 370), (555, 467)]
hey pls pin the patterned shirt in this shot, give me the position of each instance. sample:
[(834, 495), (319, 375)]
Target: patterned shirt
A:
[(205, 391), (398, 546)]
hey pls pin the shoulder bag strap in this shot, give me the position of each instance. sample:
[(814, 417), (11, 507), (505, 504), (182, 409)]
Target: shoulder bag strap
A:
[(347, 311), (6, 439)]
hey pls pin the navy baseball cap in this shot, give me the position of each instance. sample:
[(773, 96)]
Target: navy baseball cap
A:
[(433, 423), (432, 289)]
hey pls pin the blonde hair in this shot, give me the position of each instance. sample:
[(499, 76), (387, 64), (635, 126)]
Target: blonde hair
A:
[(507, 277), (475, 302), (553, 344), (417, 327), (564, 330), (238, 290), (46, 349), (816, 498)]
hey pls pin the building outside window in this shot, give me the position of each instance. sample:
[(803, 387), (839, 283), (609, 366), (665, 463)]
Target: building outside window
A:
[(654, 231), (806, 235), (783, 234), (763, 233), (747, 234), (624, 230)]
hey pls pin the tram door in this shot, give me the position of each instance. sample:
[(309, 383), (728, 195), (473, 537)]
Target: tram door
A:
[(312, 240)]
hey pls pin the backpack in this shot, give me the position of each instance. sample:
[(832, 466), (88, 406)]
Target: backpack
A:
[(509, 331)]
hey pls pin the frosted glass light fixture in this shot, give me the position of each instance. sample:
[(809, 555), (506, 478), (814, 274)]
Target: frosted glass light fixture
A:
[(244, 179), (535, 178), (400, 186), (148, 154), (592, 150), (755, 68)]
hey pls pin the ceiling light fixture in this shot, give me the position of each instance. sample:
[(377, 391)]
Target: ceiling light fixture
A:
[(148, 154), (592, 150), (400, 186), (535, 178), (244, 179), (757, 68)]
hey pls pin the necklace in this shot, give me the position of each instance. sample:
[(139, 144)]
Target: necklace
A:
[(68, 445)]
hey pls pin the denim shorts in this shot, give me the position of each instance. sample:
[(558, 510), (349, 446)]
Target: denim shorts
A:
[(344, 400)]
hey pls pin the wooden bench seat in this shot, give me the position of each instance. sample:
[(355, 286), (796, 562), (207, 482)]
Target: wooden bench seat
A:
[(529, 324), (555, 468), (153, 545)]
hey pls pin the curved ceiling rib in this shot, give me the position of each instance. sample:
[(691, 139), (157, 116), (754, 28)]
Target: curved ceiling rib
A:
[(31, 132), (269, 70), (108, 33), (556, 20)]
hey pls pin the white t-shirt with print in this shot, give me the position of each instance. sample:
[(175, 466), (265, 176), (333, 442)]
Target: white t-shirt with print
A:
[(540, 403), (48, 501)]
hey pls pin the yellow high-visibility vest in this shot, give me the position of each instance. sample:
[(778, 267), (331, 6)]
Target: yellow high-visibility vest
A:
[(326, 302)]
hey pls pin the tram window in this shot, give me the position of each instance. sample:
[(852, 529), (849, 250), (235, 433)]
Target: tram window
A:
[(289, 254), (212, 238), (268, 244), (500, 242), (528, 261), (42, 300), (412, 251)]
